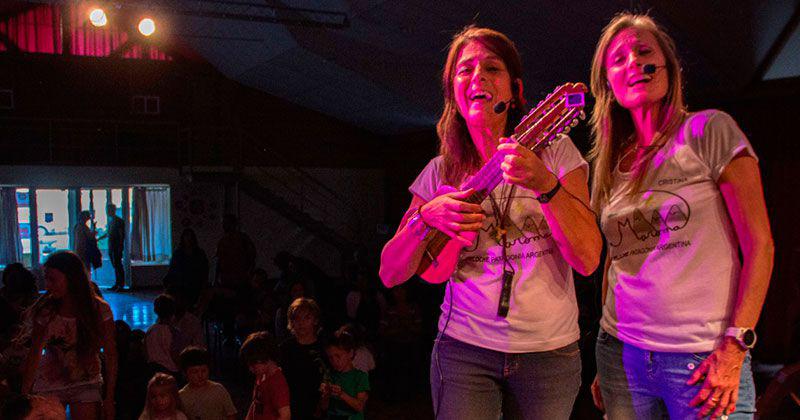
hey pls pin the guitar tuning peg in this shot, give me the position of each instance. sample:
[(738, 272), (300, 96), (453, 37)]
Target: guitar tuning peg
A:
[(566, 130), (582, 115), (574, 122)]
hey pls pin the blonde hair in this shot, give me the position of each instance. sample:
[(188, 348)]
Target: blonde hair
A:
[(612, 125), (302, 304), (162, 380), (460, 156)]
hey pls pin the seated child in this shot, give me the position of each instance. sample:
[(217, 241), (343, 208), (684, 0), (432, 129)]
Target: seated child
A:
[(345, 396), (271, 392), (162, 399), (163, 340), (201, 398)]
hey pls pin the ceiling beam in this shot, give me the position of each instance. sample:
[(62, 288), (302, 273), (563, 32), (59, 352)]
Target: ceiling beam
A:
[(776, 48)]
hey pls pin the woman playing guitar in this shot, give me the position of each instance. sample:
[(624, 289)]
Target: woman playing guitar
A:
[(508, 332)]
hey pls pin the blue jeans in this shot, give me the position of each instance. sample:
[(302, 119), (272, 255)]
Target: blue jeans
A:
[(642, 384), (470, 382)]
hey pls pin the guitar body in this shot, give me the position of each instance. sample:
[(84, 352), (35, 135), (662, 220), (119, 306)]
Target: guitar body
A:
[(437, 269)]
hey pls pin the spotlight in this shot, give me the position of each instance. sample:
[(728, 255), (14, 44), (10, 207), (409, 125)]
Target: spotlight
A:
[(98, 17), (147, 26)]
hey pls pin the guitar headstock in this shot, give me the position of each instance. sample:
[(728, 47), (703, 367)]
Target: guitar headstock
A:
[(556, 114)]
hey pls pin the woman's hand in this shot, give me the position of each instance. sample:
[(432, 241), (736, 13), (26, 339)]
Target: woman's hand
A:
[(722, 370), (597, 396), (524, 168), (450, 214)]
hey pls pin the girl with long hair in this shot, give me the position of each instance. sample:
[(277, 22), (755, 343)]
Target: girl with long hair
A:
[(679, 194), (163, 402), (73, 326), (521, 360)]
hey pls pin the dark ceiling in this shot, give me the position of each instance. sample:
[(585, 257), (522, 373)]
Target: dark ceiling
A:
[(376, 63)]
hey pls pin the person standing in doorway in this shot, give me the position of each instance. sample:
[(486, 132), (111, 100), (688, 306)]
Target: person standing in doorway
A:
[(116, 244)]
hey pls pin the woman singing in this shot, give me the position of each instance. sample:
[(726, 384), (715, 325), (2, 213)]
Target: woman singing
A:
[(679, 195), (532, 231)]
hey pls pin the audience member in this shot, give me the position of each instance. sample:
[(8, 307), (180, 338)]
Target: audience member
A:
[(188, 324), (115, 231), (32, 407), (162, 399), (72, 325), (363, 359), (401, 333), (19, 287), (271, 392), (302, 358), (296, 291), (201, 398), (365, 303), (257, 310), (164, 342), (345, 395), (188, 269), (86, 242)]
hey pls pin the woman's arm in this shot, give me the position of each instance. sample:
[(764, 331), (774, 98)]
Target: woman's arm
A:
[(446, 212), (34, 355), (573, 224), (571, 221), (740, 184), (109, 343)]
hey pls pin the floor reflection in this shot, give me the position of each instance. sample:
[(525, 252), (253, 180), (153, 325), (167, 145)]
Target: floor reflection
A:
[(135, 308)]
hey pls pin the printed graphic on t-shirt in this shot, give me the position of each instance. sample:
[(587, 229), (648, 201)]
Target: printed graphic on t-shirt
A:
[(657, 216), (522, 227)]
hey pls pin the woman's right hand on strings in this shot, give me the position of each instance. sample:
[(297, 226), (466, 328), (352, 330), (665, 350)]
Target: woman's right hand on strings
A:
[(450, 214)]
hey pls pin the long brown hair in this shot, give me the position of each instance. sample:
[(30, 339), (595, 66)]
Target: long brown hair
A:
[(85, 301), (612, 125), (460, 156)]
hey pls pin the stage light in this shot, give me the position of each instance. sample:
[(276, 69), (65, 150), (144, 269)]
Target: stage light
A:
[(147, 26), (98, 17)]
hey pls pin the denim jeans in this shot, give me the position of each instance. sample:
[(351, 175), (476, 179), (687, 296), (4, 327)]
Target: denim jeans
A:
[(470, 382), (642, 384)]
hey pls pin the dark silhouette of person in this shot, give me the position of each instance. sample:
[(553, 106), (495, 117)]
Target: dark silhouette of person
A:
[(115, 232), (85, 240), (188, 269)]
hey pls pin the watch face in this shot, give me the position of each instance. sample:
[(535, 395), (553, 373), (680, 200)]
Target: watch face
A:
[(749, 337)]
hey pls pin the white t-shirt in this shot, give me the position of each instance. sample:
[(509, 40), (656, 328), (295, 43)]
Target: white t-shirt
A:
[(159, 342), (543, 313), (60, 366), (674, 266), (211, 402)]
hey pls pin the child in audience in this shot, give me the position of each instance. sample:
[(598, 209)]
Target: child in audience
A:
[(302, 358), (201, 398), (162, 399), (271, 392), (163, 340), (345, 396), (363, 360)]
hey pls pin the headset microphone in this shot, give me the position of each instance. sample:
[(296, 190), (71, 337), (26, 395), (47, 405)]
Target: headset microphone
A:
[(501, 106), (650, 68)]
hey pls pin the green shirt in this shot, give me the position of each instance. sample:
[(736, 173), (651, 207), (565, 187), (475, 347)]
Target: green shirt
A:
[(352, 382)]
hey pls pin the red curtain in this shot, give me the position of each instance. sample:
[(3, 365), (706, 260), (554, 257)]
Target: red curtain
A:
[(38, 30)]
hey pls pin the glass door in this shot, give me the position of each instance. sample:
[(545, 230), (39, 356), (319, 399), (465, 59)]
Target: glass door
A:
[(52, 216)]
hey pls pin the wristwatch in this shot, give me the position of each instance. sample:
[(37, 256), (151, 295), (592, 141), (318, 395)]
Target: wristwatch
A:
[(746, 337), (546, 197)]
